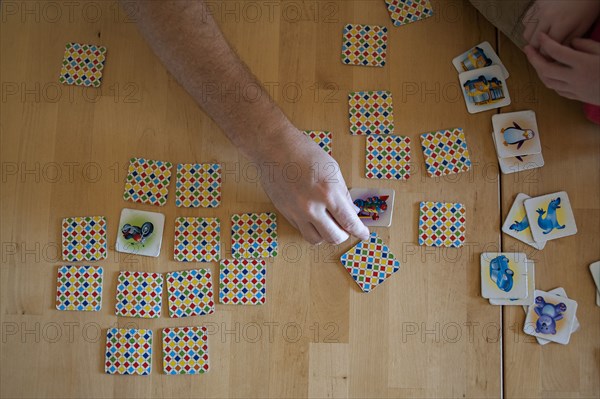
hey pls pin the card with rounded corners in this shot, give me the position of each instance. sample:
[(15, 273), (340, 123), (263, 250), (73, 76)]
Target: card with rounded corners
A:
[(517, 224), (530, 289), (550, 216), (503, 275), (484, 89), (376, 205), (519, 164), (551, 317), (516, 134), (140, 232), (477, 57), (560, 292)]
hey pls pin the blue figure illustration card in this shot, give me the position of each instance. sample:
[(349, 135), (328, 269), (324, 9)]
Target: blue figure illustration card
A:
[(480, 56), (484, 89), (516, 134), (550, 216), (551, 317), (530, 289), (517, 223), (503, 275)]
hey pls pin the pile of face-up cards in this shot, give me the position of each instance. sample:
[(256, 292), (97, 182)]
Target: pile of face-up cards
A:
[(507, 278), (482, 78), (551, 317), (537, 220), (517, 141)]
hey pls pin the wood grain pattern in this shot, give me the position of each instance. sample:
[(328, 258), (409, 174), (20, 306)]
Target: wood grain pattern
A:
[(424, 333)]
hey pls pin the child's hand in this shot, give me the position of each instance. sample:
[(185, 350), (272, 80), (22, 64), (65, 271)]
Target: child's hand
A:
[(573, 72), (308, 188), (562, 20)]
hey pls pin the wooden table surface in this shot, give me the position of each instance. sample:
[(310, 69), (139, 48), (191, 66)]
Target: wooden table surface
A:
[(424, 333)]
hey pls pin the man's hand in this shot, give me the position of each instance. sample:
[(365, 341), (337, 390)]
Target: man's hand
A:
[(562, 20), (307, 187), (571, 72)]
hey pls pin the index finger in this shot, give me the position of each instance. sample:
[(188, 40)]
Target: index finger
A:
[(345, 216)]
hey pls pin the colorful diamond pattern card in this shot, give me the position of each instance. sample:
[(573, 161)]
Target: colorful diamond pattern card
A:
[(407, 11), (371, 112), (82, 65), (147, 181), (243, 282), (387, 157), (128, 351), (442, 224), (445, 152), (190, 293), (185, 350), (322, 138), (197, 239), (79, 288), (198, 185), (139, 294), (84, 238), (364, 45), (254, 235), (370, 263), (140, 232)]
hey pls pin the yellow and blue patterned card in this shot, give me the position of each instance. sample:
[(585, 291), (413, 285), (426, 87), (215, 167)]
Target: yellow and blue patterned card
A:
[(254, 235), (139, 294), (83, 65), (442, 224), (147, 181), (243, 282), (371, 112), (387, 157), (198, 185), (128, 351), (364, 45), (84, 238), (406, 11), (445, 152), (190, 293), (185, 350), (79, 288), (197, 239)]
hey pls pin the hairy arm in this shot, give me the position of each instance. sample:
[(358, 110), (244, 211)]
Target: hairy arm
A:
[(190, 44)]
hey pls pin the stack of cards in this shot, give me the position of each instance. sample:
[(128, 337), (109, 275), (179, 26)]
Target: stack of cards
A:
[(505, 278), (595, 270), (517, 141), (552, 317), (550, 217), (517, 223), (483, 78)]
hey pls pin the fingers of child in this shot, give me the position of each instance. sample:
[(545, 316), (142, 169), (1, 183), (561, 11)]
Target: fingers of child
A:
[(545, 69), (556, 51), (586, 45)]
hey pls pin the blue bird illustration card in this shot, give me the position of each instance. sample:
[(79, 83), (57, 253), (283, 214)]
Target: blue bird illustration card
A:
[(550, 216), (516, 134), (504, 275), (517, 224), (551, 317)]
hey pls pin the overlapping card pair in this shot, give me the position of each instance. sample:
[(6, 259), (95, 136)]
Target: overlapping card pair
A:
[(517, 141), (517, 223), (505, 278), (552, 317)]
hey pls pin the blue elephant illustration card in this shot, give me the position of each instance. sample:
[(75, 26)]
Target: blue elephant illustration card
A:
[(551, 317), (530, 289), (516, 134), (503, 275), (550, 216), (517, 223)]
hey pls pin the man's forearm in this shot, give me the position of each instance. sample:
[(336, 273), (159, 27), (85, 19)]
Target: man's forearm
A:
[(189, 42)]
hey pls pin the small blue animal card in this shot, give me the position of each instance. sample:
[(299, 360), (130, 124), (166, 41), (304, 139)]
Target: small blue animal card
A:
[(517, 224), (503, 275), (520, 163), (560, 292), (551, 317), (516, 134), (484, 89), (140, 232), (530, 289), (375, 205), (550, 216), (480, 56)]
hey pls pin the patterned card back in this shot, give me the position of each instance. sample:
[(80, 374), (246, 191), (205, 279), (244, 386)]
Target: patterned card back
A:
[(371, 112), (388, 157), (442, 224), (197, 239), (364, 45), (79, 288), (254, 235), (445, 152), (82, 65), (190, 293), (84, 238), (185, 350), (198, 185), (242, 282), (128, 351), (139, 294), (147, 181)]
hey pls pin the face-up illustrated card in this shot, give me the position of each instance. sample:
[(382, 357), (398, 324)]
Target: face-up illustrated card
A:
[(147, 181), (371, 112), (484, 89), (84, 238), (550, 216), (560, 292), (185, 350), (376, 205), (82, 65), (254, 235), (517, 224), (387, 157), (406, 11), (243, 282), (198, 185), (364, 45), (190, 293), (197, 239), (140, 232), (445, 152), (503, 275), (595, 270), (520, 163), (322, 138), (530, 289), (516, 134), (79, 288), (480, 56), (551, 317), (139, 294), (128, 351), (370, 263), (442, 224)]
